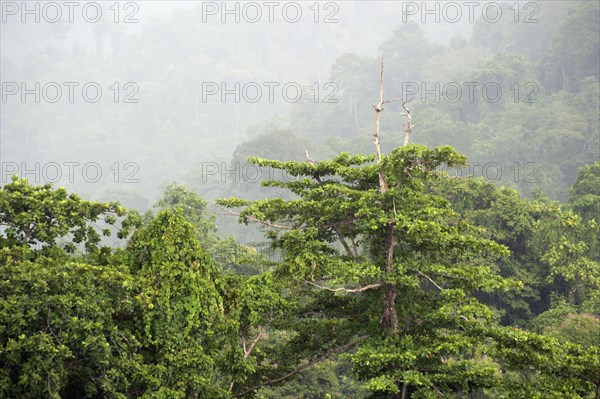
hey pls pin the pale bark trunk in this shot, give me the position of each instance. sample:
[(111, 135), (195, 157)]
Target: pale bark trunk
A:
[(389, 318)]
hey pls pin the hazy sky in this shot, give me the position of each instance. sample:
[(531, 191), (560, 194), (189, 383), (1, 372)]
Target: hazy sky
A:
[(133, 79)]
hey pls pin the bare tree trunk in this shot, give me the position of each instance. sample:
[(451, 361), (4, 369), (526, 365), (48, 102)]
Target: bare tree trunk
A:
[(389, 318), (409, 124), (378, 108)]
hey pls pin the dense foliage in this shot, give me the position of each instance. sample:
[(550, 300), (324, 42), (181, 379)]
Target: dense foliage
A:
[(160, 318), (436, 284)]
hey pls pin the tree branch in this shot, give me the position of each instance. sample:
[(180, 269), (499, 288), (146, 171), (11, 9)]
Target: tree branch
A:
[(308, 158), (408, 128), (253, 219), (336, 226), (378, 108), (338, 232), (248, 351), (310, 363), (391, 100), (431, 280), (347, 290), (355, 247)]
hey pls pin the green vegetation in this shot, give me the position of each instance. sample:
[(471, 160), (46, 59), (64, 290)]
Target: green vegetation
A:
[(392, 275), (378, 293)]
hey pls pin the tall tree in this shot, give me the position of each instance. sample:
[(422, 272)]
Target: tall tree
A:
[(377, 262)]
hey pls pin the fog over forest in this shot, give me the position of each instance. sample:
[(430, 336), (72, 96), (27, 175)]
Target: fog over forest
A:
[(177, 110), (186, 84)]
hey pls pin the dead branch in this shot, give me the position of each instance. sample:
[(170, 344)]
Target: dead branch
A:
[(347, 290), (378, 108), (409, 125), (308, 158)]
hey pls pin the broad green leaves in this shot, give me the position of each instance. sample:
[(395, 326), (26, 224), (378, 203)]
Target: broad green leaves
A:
[(41, 216), (60, 334)]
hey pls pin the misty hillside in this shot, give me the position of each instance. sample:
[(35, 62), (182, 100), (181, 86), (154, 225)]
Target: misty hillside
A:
[(329, 199)]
